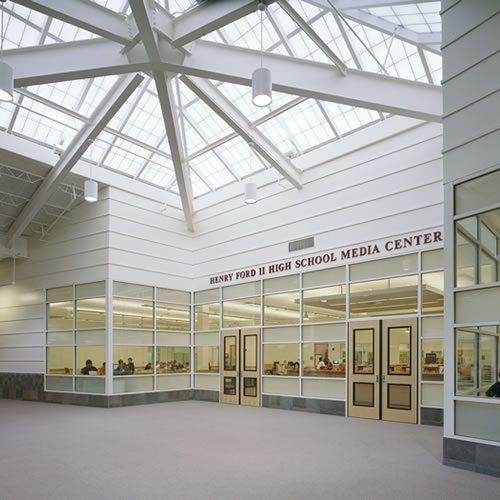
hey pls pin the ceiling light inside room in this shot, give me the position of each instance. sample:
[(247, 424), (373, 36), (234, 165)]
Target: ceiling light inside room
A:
[(6, 72), (250, 193), (261, 77)]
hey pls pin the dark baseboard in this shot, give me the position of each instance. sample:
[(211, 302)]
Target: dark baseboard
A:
[(304, 404), (431, 416)]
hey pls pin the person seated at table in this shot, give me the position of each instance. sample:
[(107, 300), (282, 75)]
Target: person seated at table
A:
[(494, 390), (130, 366), (89, 367), (102, 370), (148, 366), (329, 365), (321, 364), (121, 368)]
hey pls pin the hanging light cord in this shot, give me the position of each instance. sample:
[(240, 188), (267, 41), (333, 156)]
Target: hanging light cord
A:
[(1, 34), (261, 38)]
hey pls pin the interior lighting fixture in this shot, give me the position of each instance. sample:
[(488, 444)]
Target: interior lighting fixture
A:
[(250, 193), (261, 77), (90, 186), (6, 73)]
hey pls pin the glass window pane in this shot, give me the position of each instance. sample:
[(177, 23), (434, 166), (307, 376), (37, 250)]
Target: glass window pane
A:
[(60, 338), (206, 338), (282, 284), (432, 394), (59, 384), (432, 359), (173, 317), (386, 297), (131, 313), (363, 394), (132, 384), (168, 295), (433, 326), (465, 261), (239, 313), (243, 290), (284, 334), (488, 355), (282, 308), (275, 385), (433, 259), (323, 304), (466, 369), (363, 350), (164, 338), (132, 337), (324, 277), (488, 269), (60, 360), (58, 294), (211, 295), (91, 360), (206, 359), (477, 420), (250, 353), (165, 383), (93, 385), (207, 317), (60, 316), (324, 388), (91, 337), (433, 293), (488, 237), (477, 193), (91, 289), (477, 305), (91, 313), (132, 290), (230, 353), (173, 359), (384, 267), (399, 343), (281, 359), (326, 359), (132, 360), (206, 382), (324, 332), (399, 396)]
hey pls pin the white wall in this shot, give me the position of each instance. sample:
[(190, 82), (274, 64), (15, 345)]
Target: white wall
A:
[(75, 251), (380, 189)]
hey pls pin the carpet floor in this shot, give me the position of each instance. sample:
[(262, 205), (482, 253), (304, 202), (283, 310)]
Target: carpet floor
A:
[(198, 450)]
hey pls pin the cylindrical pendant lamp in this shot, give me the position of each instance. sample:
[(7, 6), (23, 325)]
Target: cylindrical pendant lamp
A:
[(90, 190), (6, 82), (262, 87), (250, 193)]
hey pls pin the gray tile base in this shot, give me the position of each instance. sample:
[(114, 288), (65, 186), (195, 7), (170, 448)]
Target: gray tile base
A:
[(27, 386), (431, 416), (304, 404), (477, 457)]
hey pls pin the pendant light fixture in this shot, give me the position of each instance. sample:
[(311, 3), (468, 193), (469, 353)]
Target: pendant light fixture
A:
[(90, 186), (250, 193), (6, 73), (261, 77)]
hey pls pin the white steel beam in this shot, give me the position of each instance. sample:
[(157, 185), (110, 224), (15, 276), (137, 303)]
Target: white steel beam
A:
[(364, 4), (89, 16), (167, 105), (316, 80), (210, 16), (234, 118), (108, 107), (306, 28)]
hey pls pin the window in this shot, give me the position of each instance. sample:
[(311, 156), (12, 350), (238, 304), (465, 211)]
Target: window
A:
[(324, 359), (281, 359)]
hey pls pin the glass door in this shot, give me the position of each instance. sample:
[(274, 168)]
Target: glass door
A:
[(364, 368), (399, 370), (240, 376)]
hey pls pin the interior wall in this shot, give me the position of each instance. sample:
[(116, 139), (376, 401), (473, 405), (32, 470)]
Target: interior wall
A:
[(74, 251), (391, 187)]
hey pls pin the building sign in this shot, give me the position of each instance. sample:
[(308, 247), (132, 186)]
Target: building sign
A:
[(346, 254)]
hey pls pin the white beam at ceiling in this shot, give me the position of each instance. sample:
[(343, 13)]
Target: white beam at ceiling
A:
[(316, 80), (234, 65), (363, 4), (108, 107), (306, 28), (167, 105), (210, 16), (235, 119), (89, 16)]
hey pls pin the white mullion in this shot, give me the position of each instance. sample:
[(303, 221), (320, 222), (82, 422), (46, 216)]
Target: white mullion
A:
[(109, 338)]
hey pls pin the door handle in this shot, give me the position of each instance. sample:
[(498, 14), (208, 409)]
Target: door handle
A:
[(383, 379), (376, 378)]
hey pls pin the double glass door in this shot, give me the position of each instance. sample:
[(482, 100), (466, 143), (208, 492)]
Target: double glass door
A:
[(240, 378), (383, 370)]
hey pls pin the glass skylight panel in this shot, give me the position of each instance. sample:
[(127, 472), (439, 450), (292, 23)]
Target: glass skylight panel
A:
[(99, 147), (348, 118), (245, 32), (96, 93), (22, 28), (7, 110), (194, 141), (212, 169), (67, 32), (240, 157), (421, 18), (197, 185), (305, 48), (146, 122), (159, 171), (114, 5), (41, 123), (306, 10), (127, 157), (308, 124), (277, 132), (435, 63), (213, 126), (178, 7), (66, 94)]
